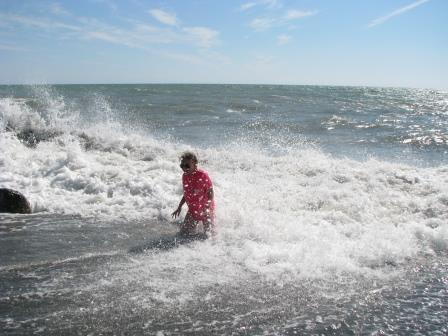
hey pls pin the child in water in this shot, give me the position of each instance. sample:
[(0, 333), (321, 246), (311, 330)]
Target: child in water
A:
[(198, 194)]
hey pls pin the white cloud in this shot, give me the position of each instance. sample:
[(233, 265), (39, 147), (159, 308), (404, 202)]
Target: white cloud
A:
[(36, 22), (397, 12), (270, 4), (164, 17), (201, 36), (136, 35), (260, 24), (283, 39), (247, 6), (294, 14), (141, 36), (204, 37), (26, 21), (100, 35)]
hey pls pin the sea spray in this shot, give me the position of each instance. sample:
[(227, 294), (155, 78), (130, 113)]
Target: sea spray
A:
[(328, 220)]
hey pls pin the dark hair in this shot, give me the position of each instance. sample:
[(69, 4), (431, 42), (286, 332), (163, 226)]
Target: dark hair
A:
[(189, 156)]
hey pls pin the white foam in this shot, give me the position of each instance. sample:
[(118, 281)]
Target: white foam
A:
[(235, 110), (300, 216), (296, 214)]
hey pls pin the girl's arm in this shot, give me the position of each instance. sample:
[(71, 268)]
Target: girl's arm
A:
[(176, 213)]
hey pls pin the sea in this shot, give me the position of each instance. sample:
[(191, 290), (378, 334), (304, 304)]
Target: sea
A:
[(331, 210)]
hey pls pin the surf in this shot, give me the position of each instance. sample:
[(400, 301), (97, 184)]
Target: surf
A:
[(292, 208)]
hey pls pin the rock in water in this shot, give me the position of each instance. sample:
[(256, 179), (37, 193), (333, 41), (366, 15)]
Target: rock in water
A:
[(13, 202)]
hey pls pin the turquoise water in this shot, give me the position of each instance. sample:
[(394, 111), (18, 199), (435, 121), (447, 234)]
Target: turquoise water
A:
[(331, 205)]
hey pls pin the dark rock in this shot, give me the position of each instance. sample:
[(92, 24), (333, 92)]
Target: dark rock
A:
[(13, 202), (31, 137)]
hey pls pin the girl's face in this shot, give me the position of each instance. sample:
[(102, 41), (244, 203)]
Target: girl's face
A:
[(188, 166)]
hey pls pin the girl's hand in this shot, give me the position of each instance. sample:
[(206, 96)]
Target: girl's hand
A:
[(176, 213)]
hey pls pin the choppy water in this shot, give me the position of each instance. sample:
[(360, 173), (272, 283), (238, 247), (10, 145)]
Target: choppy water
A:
[(332, 206)]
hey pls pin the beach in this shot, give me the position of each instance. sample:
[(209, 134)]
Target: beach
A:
[(331, 206)]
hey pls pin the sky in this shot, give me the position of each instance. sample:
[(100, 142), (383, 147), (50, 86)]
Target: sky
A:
[(398, 43)]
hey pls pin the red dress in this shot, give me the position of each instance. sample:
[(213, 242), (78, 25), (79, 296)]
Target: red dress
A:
[(196, 186)]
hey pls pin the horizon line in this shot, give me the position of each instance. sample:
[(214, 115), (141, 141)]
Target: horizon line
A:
[(215, 83)]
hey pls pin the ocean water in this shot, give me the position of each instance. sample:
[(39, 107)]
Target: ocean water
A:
[(332, 207)]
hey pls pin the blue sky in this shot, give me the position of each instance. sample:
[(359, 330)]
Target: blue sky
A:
[(323, 42)]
